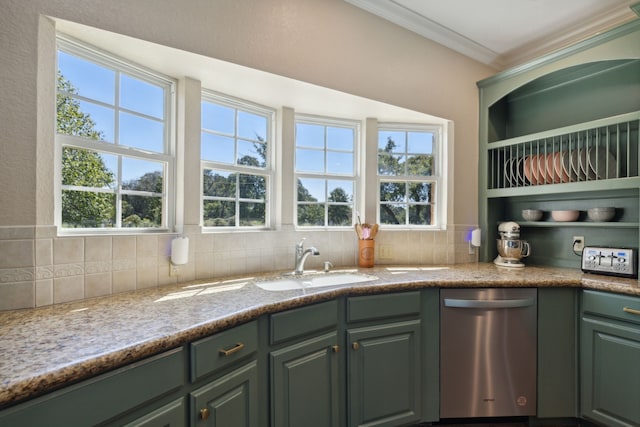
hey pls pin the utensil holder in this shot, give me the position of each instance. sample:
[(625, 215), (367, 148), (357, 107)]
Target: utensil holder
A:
[(366, 252)]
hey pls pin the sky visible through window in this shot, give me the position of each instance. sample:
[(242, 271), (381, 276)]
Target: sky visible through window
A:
[(105, 95)]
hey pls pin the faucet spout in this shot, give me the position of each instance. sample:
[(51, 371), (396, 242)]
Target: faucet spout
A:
[(302, 255)]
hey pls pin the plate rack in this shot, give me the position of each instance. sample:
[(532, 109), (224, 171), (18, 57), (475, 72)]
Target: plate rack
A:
[(594, 151)]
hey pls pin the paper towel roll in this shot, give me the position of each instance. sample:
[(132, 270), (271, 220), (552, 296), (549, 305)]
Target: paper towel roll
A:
[(180, 250), (475, 237)]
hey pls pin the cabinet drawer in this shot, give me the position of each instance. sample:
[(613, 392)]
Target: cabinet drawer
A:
[(374, 307), (621, 307), (97, 400), (219, 350), (303, 321)]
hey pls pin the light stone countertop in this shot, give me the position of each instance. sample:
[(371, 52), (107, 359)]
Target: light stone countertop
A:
[(46, 348)]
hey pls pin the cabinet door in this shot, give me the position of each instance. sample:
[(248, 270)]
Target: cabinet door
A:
[(304, 383), (384, 374), (610, 389), (231, 400)]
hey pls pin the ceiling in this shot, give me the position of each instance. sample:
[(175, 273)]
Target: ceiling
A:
[(503, 33)]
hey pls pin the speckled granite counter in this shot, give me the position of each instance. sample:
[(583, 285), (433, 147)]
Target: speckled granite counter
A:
[(43, 349)]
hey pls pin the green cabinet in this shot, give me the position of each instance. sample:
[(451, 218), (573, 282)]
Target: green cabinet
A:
[(610, 359), (557, 353), (562, 133), (304, 365), (305, 386), (170, 415), (230, 400), (384, 360), (110, 399)]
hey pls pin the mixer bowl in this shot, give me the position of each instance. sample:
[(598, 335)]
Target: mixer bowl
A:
[(512, 250)]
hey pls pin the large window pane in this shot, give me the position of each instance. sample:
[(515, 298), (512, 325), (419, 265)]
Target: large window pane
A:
[(251, 154), (308, 135), (392, 142), (142, 133), (142, 175), (252, 126), (311, 190), (340, 138), (217, 148), (218, 118), (309, 160), (219, 213), (391, 165), (339, 163), (420, 192), (252, 187), (420, 215), (87, 168), (141, 211), (310, 215), (252, 214), (89, 79), (87, 209), (340, 215), (418, 165), (141, 97), (219, 184), (393, 214)]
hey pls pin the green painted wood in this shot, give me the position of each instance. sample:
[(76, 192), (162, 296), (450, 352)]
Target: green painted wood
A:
[(304, 383), (232, 400), (431, 354), (170, 415), (104, 397), (376, 307), (610, 372), (557, 352), (302, 321), (206, 355), (384, 372), (611, 305)]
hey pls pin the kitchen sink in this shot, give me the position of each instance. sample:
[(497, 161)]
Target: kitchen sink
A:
[(314, 281)]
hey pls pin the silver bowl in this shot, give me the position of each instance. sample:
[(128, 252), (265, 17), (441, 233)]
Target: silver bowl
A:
[(531, 214), (601, 214)]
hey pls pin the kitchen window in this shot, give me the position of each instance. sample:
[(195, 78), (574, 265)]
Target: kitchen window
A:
[(114, 142), (236, 167), (325, 171), (409, 175)]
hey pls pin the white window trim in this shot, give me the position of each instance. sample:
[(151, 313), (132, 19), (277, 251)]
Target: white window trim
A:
[(357, 177), (168, 158), (439, 179), (268, 171)]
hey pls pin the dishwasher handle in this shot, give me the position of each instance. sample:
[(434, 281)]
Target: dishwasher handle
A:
[(486, 304)]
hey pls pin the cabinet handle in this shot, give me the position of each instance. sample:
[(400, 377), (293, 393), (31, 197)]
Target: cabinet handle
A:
[(204, 413), (335, 348), (239, 346), (355, 345), (631, 311)]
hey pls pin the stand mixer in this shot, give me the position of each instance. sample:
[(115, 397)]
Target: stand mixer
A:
[(510, 248)]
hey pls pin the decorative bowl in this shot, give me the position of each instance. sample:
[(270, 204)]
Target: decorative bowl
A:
[(531, 214), (601, 214), (565, 215)]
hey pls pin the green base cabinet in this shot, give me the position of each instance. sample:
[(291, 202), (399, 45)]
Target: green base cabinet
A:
[(384, 359), (557, 353), (230, 400), (384, 374), (610, 352), (304, 383), (169, 415)]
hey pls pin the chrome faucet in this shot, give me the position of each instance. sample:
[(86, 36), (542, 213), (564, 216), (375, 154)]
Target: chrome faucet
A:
[(302, 254)]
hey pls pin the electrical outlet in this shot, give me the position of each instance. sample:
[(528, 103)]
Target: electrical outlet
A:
[(174, 270), (578, 243), (385, 252)]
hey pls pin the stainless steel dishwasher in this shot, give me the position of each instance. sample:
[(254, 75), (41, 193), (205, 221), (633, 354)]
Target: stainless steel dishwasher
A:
[(488, 352)]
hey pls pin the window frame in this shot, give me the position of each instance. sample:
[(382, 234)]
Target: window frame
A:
[(167, 158), (268, 172), (438, 178), (356, 178)]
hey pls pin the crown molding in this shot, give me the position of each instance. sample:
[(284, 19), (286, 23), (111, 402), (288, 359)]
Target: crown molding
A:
[(398, 14)]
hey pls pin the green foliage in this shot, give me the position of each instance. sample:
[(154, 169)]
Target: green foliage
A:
[(82, 168), (399, 199)]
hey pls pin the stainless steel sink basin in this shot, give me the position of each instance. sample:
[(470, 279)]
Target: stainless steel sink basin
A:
[(314, 281)]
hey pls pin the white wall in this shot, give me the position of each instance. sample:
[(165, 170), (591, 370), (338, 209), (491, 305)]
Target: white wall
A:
[(325, 42)]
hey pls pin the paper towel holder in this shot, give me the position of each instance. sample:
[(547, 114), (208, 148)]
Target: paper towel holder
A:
[(179, 254), (474, 238)]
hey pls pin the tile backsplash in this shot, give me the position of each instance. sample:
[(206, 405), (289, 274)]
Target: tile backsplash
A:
[(39, 268)]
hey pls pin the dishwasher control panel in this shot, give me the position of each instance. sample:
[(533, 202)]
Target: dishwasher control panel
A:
[(612, 261)]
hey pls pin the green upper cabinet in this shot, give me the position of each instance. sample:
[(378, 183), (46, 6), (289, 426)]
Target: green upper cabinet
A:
[(561, 133)]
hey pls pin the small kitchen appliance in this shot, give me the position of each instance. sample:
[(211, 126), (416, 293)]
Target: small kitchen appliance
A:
[(621, 262), (510, 248)]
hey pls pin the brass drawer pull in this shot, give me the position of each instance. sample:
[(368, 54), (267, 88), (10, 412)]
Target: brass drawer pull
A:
[(355, 345), (335, 348), (239, 346), (631, 311)]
